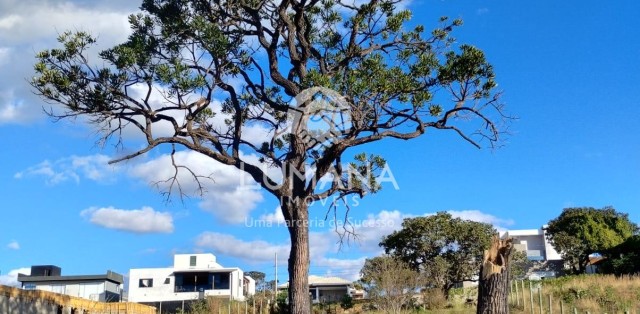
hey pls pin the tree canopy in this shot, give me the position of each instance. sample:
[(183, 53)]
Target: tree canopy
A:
[(446, 250), (199, 75), (581, 231), (623, 259)]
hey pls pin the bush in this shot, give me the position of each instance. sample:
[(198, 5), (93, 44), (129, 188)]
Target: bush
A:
[(346, 302), (434, 299)]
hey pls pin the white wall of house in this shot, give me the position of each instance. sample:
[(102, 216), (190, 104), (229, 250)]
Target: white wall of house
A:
[(183, 261), (534, 243)]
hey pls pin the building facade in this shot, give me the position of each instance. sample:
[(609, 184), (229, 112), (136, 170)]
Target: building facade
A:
[(538, 249), (534, 242), (102, 288), (329, 289), (192, 277)]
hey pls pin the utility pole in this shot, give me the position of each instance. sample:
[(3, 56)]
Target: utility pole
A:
[(275, 282)]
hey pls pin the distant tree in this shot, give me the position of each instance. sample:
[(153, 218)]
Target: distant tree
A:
[(318, 78), (579, 232), (623, 259), (390, 283), (259, 277), (520, 265), (444, 249)]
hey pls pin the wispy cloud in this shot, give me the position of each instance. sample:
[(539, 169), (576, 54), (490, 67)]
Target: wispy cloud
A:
[(73, 168), (482, 11), (14, 245), (144, 220)]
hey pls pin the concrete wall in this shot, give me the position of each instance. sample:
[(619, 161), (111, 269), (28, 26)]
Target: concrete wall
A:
[(183, 261), (18, 301), (18, 305)]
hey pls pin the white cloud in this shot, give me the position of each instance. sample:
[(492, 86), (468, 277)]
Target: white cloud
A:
[(476, 215), (255, 251), (28, 26), (11, 278), (273, 218), (226, 194), (14, 245), (92, 167), (144, 220)]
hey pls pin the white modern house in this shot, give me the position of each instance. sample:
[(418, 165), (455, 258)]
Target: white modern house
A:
[(535, 244), (103, 288), (192, 277), (329, 289)]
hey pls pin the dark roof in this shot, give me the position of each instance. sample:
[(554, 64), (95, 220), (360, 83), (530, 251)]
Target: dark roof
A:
[(110, 276)]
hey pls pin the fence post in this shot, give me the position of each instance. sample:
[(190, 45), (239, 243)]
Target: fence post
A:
[(561, 307), (575, 311), (517, 295), (531, 296), (524, 302), (540, 299), (550, 305)]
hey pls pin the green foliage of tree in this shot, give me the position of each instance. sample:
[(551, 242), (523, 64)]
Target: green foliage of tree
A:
[(446, 250), (260, 278), (519, 264), (623, 259), (581, 231), (346, 302), (395, 80), (390, 283)]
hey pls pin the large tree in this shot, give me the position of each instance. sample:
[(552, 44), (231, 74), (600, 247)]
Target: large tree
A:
[(285, 68), (581, 231), (445, 249)]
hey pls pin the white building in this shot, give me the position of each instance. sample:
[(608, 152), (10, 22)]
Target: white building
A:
[(329, 289), (104, 288), (534, 242), (192, 277)]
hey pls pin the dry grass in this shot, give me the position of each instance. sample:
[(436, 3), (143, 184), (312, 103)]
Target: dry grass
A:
[(586, 293)]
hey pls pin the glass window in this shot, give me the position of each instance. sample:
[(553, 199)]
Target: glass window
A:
[(145, 283), (192, 261), (167, 281)]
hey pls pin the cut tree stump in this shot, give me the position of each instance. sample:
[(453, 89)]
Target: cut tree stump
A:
[(493, 289)]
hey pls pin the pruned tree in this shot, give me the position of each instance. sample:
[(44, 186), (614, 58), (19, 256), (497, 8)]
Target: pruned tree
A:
[(446, 250), (582, 231), (283, 67), (390, 283)]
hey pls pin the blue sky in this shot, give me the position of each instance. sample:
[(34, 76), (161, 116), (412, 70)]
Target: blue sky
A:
[(570, 71)]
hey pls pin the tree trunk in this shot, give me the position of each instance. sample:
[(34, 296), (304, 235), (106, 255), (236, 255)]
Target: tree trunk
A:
[(493, 289), (299, 261)]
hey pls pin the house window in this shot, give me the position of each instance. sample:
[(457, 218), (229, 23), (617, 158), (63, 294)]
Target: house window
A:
[(167, 281), (192, 260), (145, 283)]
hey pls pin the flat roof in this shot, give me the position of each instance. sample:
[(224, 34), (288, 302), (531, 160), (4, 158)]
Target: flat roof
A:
[(206, 270), (110, 276)]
